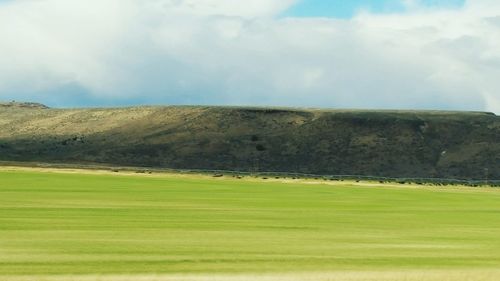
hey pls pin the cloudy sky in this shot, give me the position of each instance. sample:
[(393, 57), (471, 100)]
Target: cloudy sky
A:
[(419, 54)]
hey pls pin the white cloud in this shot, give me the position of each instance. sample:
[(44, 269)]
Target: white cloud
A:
[(245, 9), (241, 52)]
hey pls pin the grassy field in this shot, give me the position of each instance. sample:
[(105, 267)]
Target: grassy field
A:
[(102, 226)]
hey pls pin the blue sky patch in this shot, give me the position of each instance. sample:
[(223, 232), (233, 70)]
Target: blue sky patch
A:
[(349, 8)]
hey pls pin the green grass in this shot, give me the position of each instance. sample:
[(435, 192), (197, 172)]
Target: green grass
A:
[(79, 224)]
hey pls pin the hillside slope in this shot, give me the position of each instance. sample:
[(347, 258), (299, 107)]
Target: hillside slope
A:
[(378, 143)]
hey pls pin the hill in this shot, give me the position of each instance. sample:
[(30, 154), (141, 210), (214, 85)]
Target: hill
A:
[(463, 145)]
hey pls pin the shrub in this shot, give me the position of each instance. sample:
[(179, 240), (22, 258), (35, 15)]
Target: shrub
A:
[(260, 147)]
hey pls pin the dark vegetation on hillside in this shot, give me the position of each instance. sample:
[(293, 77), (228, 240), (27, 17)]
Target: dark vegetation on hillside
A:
[(463, 145)]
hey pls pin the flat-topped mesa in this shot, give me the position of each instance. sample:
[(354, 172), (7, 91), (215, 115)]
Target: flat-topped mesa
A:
[(31, 105), (380, 143)]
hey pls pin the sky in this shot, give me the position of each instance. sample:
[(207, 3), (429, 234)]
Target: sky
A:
[(346, 9), (370, 54)]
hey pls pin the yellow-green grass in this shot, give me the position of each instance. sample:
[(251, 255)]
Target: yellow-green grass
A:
[(98, 226)]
